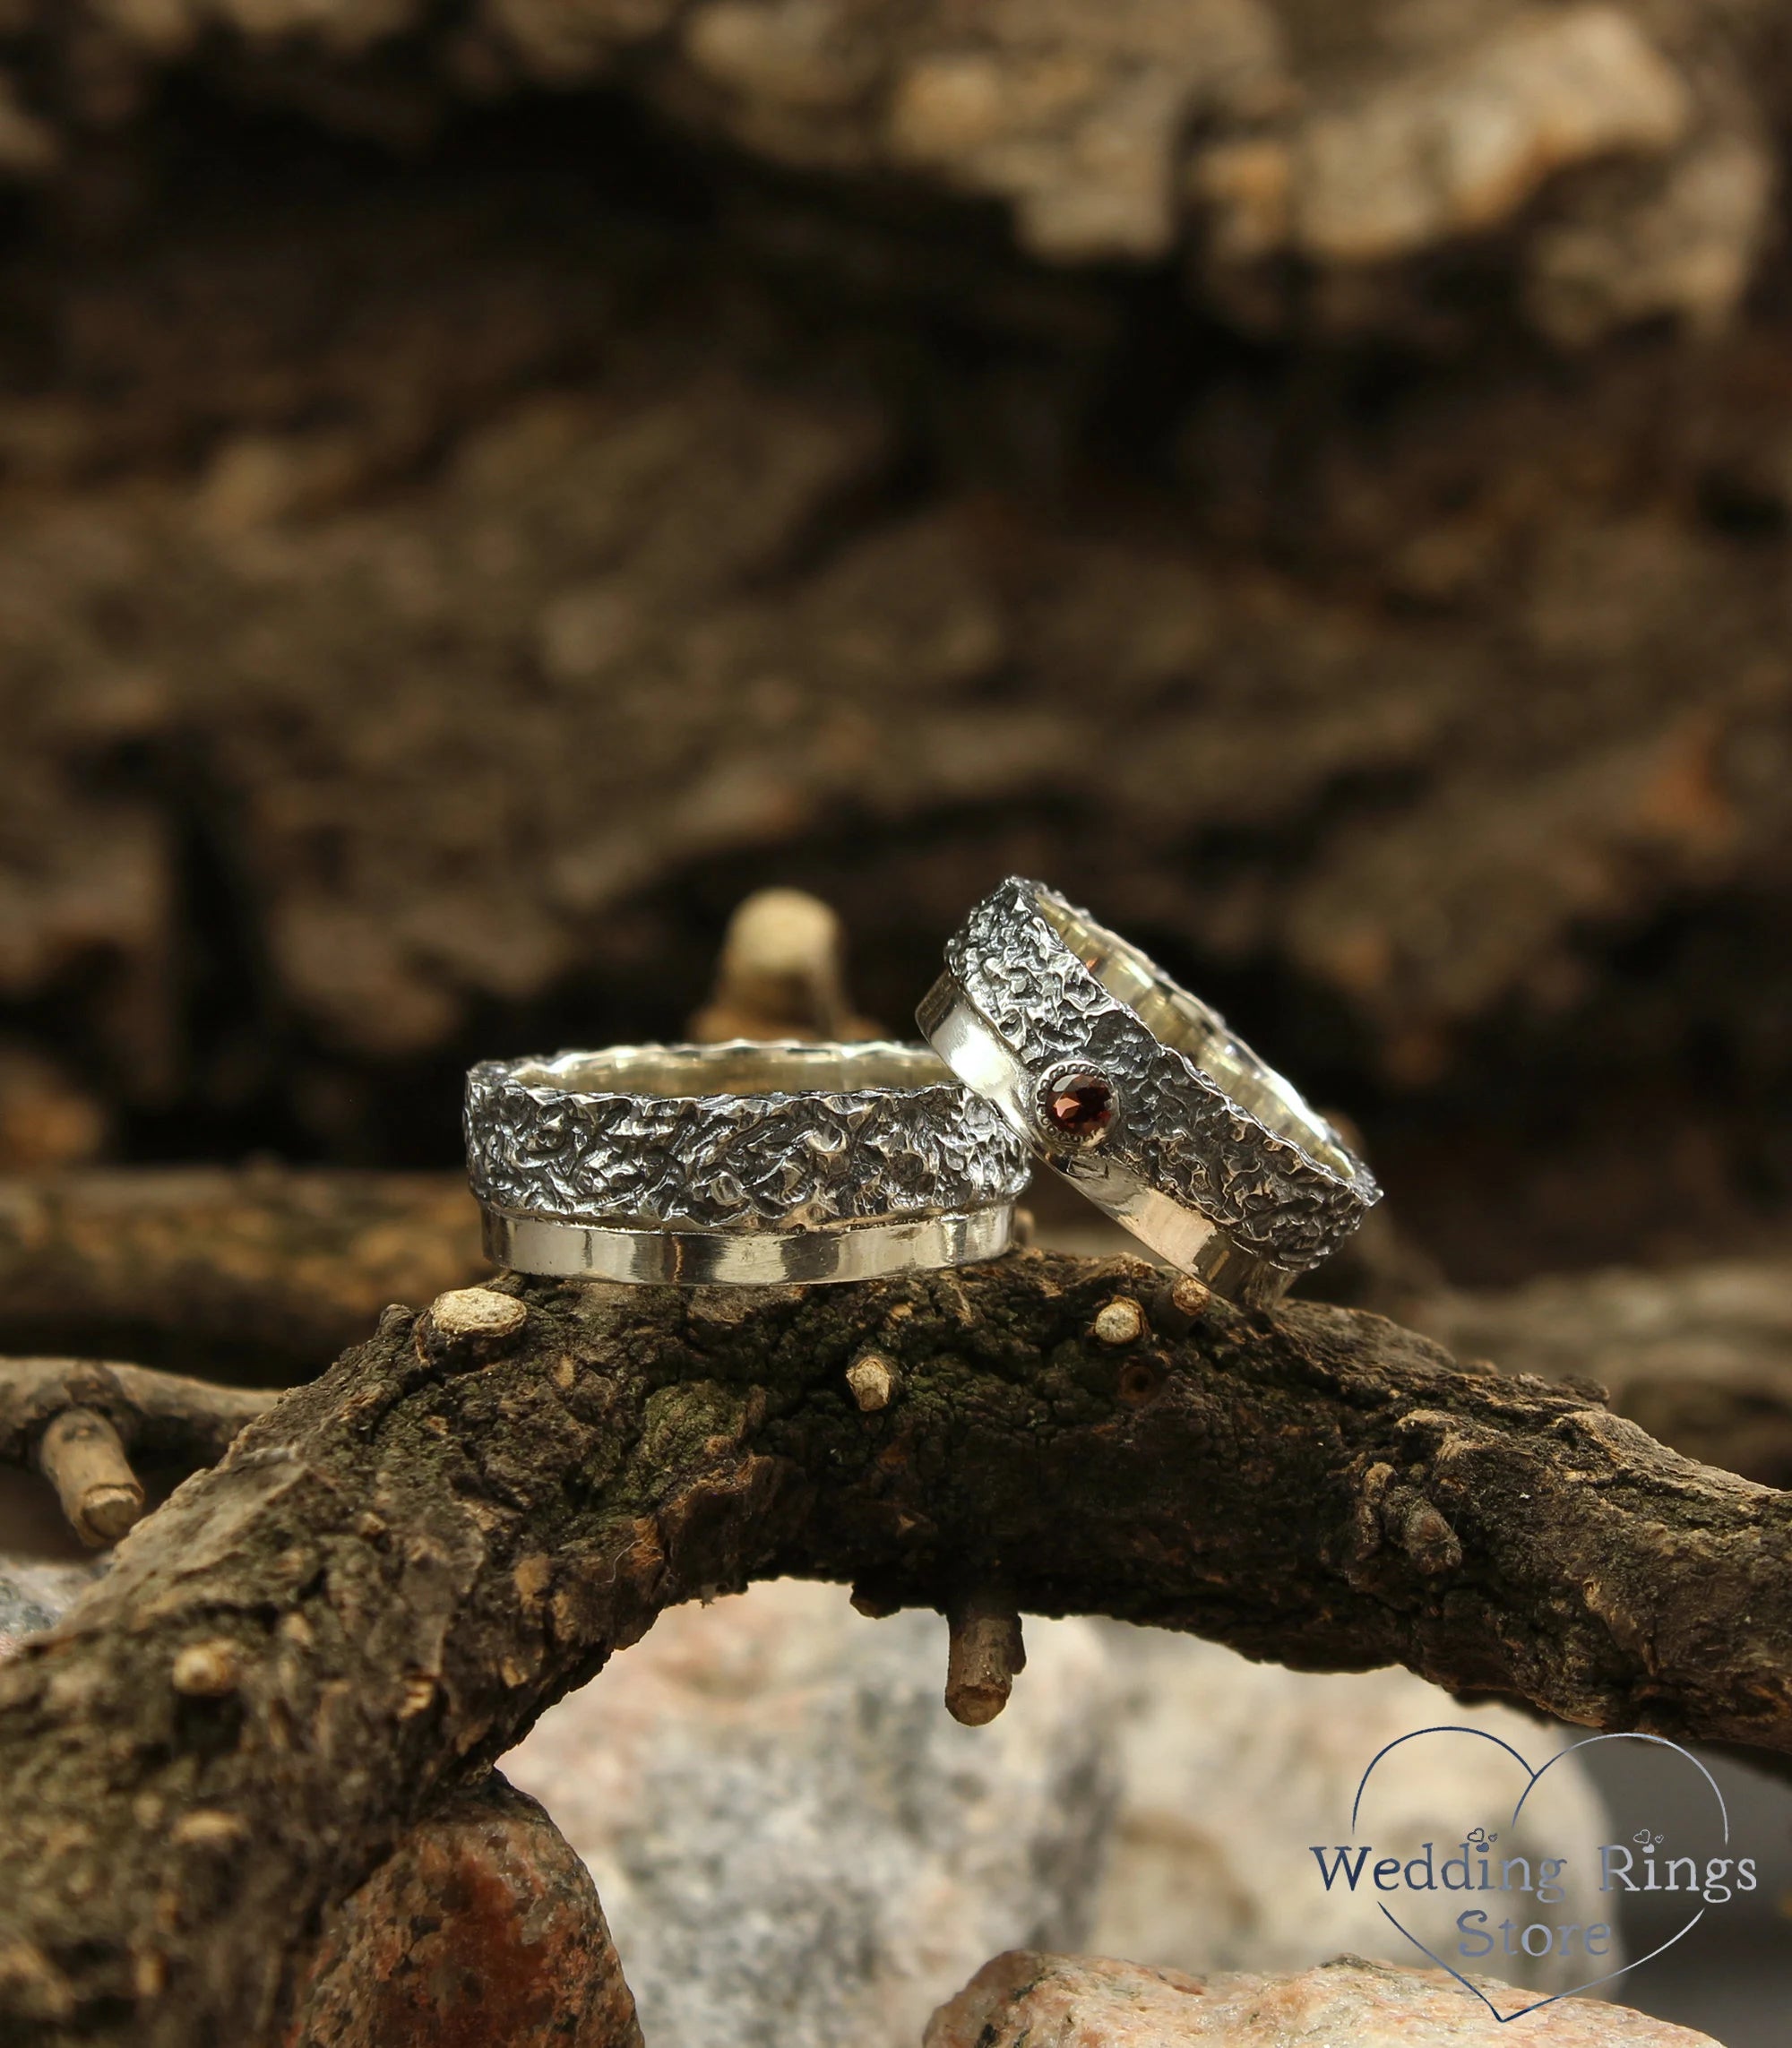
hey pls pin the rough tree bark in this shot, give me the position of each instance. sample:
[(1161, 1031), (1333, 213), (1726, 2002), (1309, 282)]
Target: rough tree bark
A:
[(396, 1569)]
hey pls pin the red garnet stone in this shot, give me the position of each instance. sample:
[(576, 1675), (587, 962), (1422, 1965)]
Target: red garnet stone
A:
[(1080, 1106)]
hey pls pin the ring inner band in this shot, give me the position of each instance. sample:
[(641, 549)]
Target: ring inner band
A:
[(738, 1069), (1186, 1025)]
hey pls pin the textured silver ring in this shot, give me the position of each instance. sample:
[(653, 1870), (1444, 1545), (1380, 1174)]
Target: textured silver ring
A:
[(1138, 1093), (741, 1163)]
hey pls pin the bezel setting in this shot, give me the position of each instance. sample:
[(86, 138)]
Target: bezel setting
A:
[(1077, 1078)]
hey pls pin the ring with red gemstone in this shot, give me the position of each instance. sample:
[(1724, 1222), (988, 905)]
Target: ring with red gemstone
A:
[(1139, 1094)]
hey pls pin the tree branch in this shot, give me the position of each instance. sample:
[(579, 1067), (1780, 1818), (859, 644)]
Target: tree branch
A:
[(263, 1272), (1698, 1355), (159, 1413), (78, 1419), (398, 1566)]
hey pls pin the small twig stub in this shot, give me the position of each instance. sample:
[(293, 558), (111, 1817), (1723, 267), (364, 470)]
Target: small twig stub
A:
[(83, 1459), (985, 1653)]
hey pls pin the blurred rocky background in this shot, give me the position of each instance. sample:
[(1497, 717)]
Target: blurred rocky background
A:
[(797, 1847)]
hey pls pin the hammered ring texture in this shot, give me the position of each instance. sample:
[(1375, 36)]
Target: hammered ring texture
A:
[(1138, 1093), (746, 1163)]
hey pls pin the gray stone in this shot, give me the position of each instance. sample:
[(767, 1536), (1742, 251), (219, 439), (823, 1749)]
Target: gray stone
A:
[(793, 1841)]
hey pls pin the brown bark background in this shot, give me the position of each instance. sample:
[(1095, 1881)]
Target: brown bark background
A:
[(482, 485)]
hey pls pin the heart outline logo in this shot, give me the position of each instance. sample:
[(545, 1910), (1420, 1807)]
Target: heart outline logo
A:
[(1532, 1779)]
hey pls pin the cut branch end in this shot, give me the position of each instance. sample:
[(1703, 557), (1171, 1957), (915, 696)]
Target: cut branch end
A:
[(985, 1653), (83, 1457)]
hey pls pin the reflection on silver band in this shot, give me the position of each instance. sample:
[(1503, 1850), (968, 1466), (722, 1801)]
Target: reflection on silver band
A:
[(757, 1258), (1138, 1093), (744, 1162)]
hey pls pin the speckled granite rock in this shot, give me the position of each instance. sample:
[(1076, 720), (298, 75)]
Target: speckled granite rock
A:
[(795, 1843), (1089, 2001), (482, 1931)]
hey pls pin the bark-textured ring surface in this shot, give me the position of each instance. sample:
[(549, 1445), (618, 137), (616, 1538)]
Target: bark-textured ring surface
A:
[(736, 1136)]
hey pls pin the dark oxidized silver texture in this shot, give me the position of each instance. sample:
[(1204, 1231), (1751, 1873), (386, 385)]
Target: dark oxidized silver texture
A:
[(739, 1162), (1137, 1091)]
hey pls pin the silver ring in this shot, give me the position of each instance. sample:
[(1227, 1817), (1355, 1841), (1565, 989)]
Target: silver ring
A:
[(743, 1163), (1137, 1092)]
